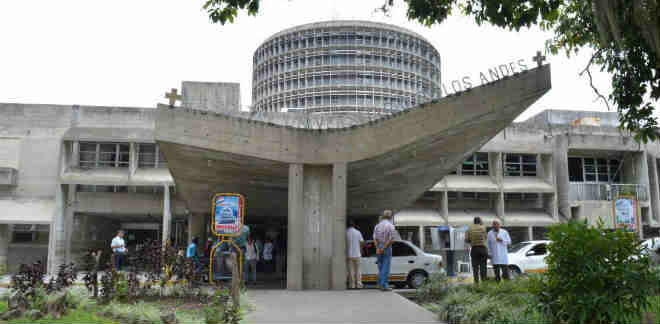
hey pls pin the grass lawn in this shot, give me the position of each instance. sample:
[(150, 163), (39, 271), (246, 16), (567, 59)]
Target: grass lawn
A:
[(75, 316)]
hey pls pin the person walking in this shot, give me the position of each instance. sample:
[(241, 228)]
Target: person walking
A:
[(191, 253), (354, 242), (383, 235), (252, 256), (268, 256), (118, 247), (476, 237), (497, 241)]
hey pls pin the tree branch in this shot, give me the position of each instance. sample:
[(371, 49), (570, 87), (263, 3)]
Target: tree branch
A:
[(587, 69)]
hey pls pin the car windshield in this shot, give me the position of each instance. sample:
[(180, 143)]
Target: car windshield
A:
[(518, 246)]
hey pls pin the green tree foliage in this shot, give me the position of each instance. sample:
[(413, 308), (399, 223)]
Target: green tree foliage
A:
[(624, 35), (595, 276)]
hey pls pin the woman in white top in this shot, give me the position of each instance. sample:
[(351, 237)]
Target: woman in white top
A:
[(252, 256)]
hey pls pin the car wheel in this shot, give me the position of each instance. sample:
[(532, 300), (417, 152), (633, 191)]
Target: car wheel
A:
[(417, 279), (514, 272)]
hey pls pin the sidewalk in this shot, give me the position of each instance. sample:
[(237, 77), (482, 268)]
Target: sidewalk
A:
[(350, 306)]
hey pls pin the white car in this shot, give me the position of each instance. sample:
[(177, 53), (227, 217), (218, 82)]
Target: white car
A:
[(526, 257), (410, 265), (649, 246)]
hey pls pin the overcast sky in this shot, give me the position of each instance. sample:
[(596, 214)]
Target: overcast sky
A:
[(129, 53)]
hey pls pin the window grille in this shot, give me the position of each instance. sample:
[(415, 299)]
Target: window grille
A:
[(520, 165), (476, 164), (104, 155)]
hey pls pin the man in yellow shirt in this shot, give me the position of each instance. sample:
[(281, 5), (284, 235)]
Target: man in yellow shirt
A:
[(476, 236)]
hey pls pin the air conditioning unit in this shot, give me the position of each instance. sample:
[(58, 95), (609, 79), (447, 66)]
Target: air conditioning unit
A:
[(8, 176)]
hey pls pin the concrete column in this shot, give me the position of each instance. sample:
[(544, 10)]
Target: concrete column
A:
[(441, 204), (167, 213), (530, 233), (295, 229), (68, 216), (421, 237), (4, 247), (195, 226), (654, 193), (499, 207), (338, 280), (317, 209), (495, 169), (317, 227), (132, 158), (75, 154), (57, 244), (560, 163)]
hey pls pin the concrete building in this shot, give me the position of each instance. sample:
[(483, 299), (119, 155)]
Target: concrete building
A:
[(342, 66), (70, 176)]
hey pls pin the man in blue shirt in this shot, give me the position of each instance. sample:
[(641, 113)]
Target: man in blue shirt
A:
[(191, 253)]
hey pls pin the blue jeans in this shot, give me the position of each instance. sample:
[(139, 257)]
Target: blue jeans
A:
[(384, 262), (120, 259)]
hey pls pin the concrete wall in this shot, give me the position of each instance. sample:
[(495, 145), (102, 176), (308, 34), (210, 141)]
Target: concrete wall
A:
[(212, 96)]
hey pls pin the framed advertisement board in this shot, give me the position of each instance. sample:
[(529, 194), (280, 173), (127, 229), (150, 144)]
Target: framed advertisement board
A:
[(227, 214), (625, 213)]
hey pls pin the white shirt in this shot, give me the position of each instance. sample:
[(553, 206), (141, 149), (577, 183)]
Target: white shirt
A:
[(118, 241), (498, 250), (251, 252), (353, 239), (268, 251)]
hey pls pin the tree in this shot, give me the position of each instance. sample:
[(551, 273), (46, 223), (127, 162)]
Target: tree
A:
[(623, 34)]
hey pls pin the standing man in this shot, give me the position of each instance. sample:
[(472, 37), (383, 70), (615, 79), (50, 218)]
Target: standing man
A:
[(498, 239), (118, 247), (383, 234), (476, 236), (354, 242)]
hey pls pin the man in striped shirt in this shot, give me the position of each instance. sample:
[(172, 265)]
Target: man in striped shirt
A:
[(383, 236)]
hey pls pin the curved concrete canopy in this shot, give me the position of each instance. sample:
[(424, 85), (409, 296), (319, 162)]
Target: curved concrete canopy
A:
[(390, 162)]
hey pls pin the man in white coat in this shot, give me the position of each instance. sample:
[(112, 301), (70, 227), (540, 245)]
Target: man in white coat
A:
[(498, 240)]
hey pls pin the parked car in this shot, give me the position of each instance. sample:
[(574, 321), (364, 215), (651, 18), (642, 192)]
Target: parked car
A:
[(410, 265), (650, 245), (526, 257)]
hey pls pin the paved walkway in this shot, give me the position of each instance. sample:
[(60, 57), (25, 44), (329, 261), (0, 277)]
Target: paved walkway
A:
[(351, 306)]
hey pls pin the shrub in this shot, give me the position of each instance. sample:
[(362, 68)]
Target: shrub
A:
[(594, 276), (110, 286), (434, 288), (66, 275), (28, 278), (490, 302)]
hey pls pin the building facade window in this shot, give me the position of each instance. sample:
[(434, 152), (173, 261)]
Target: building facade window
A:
[(519, 165), (29, 233), (99, 188), (104, 155), (521, 196), (589, 169), (150, 156), (476, 164), (452, 195)]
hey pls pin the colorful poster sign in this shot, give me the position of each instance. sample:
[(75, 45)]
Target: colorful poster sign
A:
[(625, 213), (228, 212)]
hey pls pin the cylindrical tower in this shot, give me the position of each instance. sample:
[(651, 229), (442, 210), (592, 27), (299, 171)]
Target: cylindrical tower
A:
[(344, 66)]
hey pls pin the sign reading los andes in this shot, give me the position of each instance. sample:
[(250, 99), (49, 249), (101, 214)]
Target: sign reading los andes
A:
[(227, 214), (625, 213)]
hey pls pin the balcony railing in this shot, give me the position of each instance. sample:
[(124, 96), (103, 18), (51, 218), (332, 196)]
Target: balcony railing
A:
[(603, 191)]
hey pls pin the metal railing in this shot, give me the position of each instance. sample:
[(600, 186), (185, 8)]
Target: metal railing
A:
[(602, 191)]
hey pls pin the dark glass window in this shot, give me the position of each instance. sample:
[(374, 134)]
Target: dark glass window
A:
[(400, 249)]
